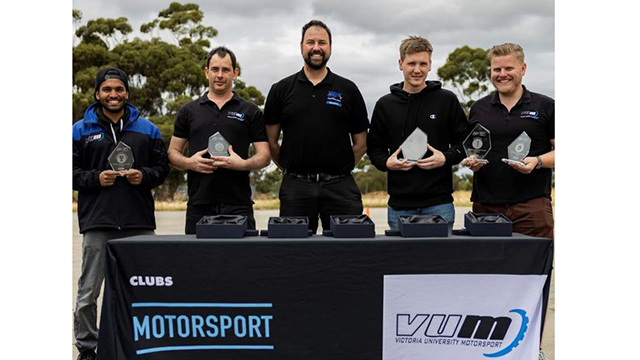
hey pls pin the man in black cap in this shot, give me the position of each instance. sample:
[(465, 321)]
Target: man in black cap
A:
[(111, 204)]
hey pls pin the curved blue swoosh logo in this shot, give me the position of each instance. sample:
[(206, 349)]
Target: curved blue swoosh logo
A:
[(523, 329)]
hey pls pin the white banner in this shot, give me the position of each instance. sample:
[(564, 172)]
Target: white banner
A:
[(462, 317)]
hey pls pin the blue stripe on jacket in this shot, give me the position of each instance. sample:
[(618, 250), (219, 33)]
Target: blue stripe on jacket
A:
[(89, 124)]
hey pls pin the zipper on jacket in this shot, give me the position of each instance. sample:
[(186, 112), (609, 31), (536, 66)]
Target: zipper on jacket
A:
[(115, 141), (113, 132)]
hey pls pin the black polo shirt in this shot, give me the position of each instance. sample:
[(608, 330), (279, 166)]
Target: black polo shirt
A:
[(497, 182), (316, 122), (241, 123)]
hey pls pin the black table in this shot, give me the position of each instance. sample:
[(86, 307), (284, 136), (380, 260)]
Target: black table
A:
[(178, 297)]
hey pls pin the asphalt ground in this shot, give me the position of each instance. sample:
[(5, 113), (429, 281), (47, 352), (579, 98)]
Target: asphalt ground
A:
[(172, 222)]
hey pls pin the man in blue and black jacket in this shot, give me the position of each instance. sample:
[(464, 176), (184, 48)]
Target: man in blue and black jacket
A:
[(111, 204)]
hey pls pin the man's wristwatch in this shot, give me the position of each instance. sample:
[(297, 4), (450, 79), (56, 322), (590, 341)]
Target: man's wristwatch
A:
[(539, 162)]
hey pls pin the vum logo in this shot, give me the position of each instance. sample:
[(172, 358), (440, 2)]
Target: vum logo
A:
[(473, 327), (91, 138), (235, 115)]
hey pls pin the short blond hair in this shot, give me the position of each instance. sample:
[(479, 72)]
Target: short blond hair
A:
[(507, 49), (414, 44)]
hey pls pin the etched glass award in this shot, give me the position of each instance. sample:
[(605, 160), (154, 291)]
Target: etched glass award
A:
[(415, 146), (478, 143), (518, 149), (218, 145), (121, 158)]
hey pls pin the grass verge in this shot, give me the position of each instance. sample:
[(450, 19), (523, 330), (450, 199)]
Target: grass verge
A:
[(264, 202)]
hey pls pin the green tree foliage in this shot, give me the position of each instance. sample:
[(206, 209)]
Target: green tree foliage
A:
[(250, 93), (184, 23), (468, 71), (266, 182), (103, 32), (163, 76), (368, 178), (462, 181), (77, 15)]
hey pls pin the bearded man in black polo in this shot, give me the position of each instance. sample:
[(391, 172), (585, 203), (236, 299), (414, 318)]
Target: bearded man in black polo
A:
[(218, 184), (324, 124)]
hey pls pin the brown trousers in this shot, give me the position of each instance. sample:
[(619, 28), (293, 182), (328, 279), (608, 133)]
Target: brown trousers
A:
[(533, 217)]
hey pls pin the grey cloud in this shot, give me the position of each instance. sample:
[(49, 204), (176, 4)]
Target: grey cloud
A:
[(265, 34), (394, 16)]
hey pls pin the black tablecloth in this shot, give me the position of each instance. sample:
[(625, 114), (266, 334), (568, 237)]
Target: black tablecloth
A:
[(319, 298)]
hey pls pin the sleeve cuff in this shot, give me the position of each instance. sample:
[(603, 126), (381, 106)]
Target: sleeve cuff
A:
[(450, 158), (95, 179)]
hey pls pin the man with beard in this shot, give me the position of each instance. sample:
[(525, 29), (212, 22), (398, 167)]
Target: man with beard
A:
[(423, 187), (220, 184), (520, 192), (324, 124), (111, 204)]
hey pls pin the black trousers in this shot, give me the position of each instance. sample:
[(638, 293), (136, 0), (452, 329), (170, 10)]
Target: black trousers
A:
[(300, 197), (196, 212)]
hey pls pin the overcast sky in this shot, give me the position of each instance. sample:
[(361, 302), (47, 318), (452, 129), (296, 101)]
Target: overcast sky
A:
[(265, 35)]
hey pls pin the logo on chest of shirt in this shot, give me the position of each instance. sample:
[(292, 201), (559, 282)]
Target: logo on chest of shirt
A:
[(92, 138), (529, 114), (334, 98), (235, 115), (432, 116)]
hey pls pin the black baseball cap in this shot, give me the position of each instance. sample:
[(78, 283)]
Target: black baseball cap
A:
[(111, 73)]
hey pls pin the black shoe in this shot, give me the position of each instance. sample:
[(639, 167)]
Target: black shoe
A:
[(87, 355)]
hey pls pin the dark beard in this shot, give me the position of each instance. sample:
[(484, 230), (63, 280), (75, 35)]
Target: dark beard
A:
[(316, 66)]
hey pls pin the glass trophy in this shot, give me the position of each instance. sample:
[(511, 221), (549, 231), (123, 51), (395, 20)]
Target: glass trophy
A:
[(218, 145), (415, 146), (121, 158), (518, 149), (478, 143)]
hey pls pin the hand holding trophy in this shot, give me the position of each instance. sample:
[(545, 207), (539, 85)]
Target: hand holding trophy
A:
[(415, 146), (518, 149), (476, 146), (218, 145), (121, 158)]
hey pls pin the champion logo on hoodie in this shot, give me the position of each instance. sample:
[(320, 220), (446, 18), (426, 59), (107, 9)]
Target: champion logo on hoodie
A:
[(432, 116)]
